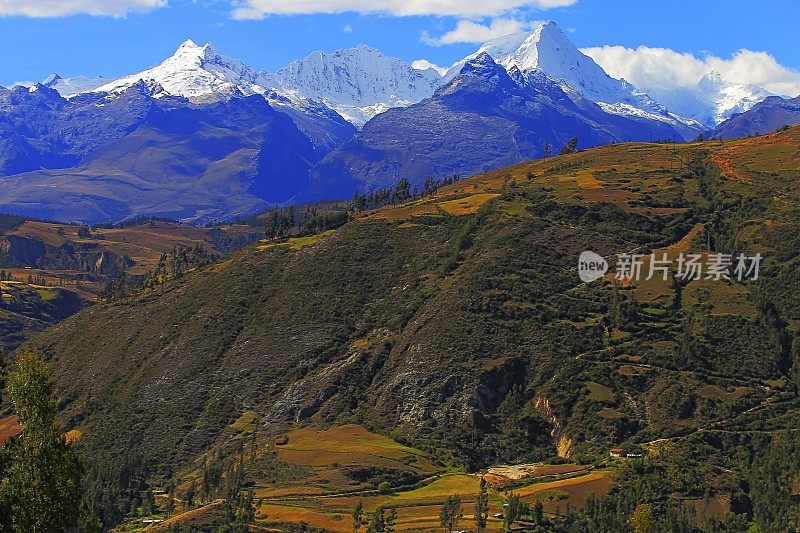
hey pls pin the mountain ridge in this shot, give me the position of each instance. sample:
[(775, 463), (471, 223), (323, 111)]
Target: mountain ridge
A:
[(560, 93), (483, 118)]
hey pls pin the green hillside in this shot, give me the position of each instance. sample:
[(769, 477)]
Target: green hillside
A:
[(457, 325)]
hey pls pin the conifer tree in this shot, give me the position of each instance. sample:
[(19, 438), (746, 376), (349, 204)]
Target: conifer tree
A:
[(451, 513), (42, 485), (482, 508)]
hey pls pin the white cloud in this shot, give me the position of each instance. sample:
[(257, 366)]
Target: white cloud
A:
[(664, 68), (63, 8), (424, 64), (348, 29), (258, 9), (467, 31)]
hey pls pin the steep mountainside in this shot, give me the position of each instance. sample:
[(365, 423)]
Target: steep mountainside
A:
[(458, 322), (27, 309), (48, 271), (483, 118), (763, 117)]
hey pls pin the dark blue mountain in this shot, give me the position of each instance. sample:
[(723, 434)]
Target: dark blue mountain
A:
[(764, 117), (485, 118), (99, 157), (105, 157)]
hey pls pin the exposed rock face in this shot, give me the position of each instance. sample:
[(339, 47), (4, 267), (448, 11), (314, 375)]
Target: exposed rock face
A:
[(563, 442), (564, 447)]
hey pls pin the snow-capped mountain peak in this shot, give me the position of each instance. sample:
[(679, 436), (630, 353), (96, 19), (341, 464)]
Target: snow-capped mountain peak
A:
[(726, 99), (199, 73), (711, 81), (357, 82), (550, 51), (547, 50)]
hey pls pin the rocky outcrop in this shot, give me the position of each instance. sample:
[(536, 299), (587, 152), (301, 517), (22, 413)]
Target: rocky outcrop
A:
[(30, 251), (562, 441), (22, 250)]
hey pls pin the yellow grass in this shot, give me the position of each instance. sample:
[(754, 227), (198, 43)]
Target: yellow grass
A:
[(245, 423), (349, 444), (295, 243), (72, 436), (587, 180), (468, 205), (404, 212), (432, 494), (656, 289), (284, 513), (577, 490), (186, 517), (724, 298)]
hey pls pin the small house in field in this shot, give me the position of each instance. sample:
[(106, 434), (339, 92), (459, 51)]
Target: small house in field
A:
[(283, 440), (616, 452)]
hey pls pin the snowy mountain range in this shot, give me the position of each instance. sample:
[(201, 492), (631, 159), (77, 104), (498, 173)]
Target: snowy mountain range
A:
[(484, 118), (202, 136), (361, 82)]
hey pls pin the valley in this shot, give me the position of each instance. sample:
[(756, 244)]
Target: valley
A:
[(49, 271)]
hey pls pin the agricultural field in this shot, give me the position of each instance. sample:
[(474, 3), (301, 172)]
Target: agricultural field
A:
[(313, 484)]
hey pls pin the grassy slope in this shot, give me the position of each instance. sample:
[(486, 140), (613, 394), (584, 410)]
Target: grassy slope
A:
[(419, 320)]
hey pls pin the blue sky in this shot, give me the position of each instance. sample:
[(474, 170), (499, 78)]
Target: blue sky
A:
[(34, 44)]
